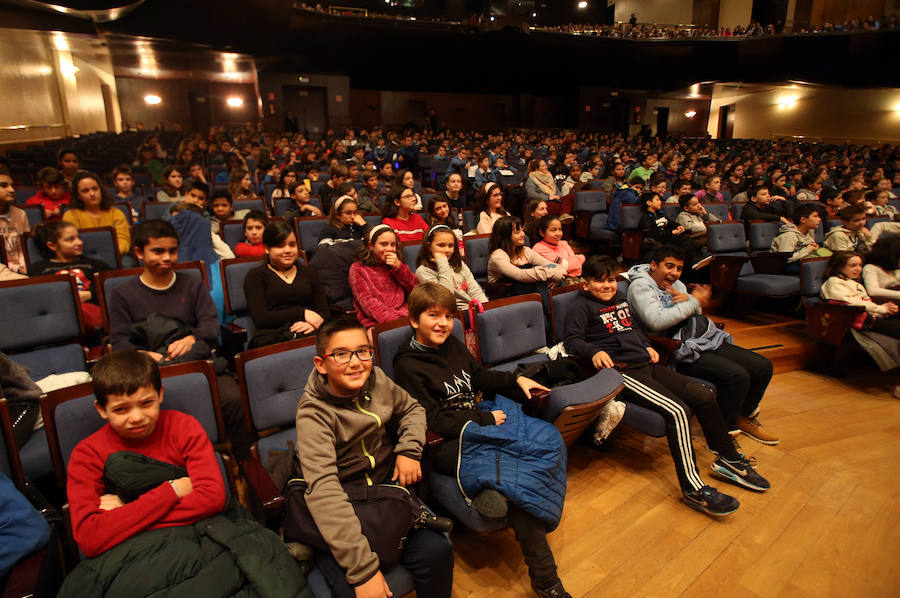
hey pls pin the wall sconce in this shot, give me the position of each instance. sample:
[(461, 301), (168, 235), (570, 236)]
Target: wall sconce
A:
[(690, 114), (786, 102), (152, 99), (235, 102)]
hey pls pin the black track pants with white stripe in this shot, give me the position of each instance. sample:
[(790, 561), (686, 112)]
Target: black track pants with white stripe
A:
[(667, 392)]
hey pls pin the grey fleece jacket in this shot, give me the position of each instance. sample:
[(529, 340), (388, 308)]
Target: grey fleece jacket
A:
[(652, 306), (345, 439), (790, 239)]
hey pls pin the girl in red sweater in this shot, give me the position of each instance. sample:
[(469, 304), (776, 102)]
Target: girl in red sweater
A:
[(399, 214), (379, 279), (254, 225)]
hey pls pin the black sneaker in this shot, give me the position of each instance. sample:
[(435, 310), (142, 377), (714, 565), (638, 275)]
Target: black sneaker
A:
[(740, 472), (710, 501), (555, 591)]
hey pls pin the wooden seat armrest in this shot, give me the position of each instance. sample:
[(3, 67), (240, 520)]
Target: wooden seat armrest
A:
[(664, 346), (262, 484), (724, 271), (830, 322), (433, 439), (768, 262)]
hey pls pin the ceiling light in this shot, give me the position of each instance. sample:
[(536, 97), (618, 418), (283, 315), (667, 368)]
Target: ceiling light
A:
[(533, 15), (152, 99), (785, 102), (235, 102), (582, 4), (691, 113)]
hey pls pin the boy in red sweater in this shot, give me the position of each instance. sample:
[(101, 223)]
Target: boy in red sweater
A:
[(128, 393)]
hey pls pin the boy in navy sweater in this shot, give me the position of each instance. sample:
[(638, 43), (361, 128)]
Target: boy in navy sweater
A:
[(599, 327)]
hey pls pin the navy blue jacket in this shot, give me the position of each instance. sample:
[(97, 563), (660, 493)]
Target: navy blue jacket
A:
[(593, 325)]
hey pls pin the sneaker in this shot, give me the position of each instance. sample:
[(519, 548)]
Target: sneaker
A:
[(609, 418), (752, 428), (703, 263), (734, 442), (710, 501), (566, 218), (555, 591), (740, 472)]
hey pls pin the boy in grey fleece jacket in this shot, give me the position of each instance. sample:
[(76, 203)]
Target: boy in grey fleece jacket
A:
[(343, 423), (799, 237)]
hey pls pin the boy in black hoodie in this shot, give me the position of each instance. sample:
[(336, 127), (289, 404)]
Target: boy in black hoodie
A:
[(599, 327), (437, 369)]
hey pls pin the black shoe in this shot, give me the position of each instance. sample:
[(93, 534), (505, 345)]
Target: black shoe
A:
[(555, 591), (740, 472), (710, 501)]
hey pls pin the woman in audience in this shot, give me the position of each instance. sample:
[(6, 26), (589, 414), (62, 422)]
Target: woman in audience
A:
[(881, 274), (540, 184), (490, 201), (345, 223), (284, 297), (62, 250), (379, 279), (440, 262), (173, 185), (92, 207), (240, 186), (255, 223), (452, 192), (536, 209), (553, 248), (400, 214)]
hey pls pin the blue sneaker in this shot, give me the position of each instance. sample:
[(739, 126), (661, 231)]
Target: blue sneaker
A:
[(710, 501), (740, 472)]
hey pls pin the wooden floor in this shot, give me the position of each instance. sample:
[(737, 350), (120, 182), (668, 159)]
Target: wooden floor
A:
[(830, 525)]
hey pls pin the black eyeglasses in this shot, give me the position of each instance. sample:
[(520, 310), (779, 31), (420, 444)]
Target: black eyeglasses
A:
[(342, 356)]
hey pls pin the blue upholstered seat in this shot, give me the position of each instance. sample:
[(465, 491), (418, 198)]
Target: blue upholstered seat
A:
[(250, 204), (719, 209), (309, 230), (233, 274), (232, 232), (762, 234), (411, 254), (599, 232), (590, 201), (477, 254)]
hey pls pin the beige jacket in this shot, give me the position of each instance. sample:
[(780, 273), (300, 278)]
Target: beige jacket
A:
[(852, 292), (345, 439)]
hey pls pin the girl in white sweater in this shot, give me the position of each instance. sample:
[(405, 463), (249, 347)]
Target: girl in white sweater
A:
[(440, 262), (843, 284)]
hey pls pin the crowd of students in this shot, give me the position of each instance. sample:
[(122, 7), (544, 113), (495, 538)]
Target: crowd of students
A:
[(162, 317)]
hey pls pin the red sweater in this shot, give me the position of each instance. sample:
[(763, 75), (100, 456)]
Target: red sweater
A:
[(379, 292), (178, 439), (49, 204), (412, 229), (244, 249)]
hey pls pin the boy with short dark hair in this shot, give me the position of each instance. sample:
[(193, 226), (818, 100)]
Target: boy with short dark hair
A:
[(852, 234), (343, 419), (339, 174), (437, 369), (762, 207), (799, 237), (368, 194), (13, 222), (221, 205), (129, 394), (52, 193), (600, 328), (123, 179)]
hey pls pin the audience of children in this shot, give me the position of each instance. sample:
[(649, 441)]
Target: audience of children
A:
[(91, 207), (344, 419), (437, 369), (599, 328)]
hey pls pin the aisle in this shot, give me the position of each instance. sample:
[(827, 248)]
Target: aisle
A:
[(830, 526)]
